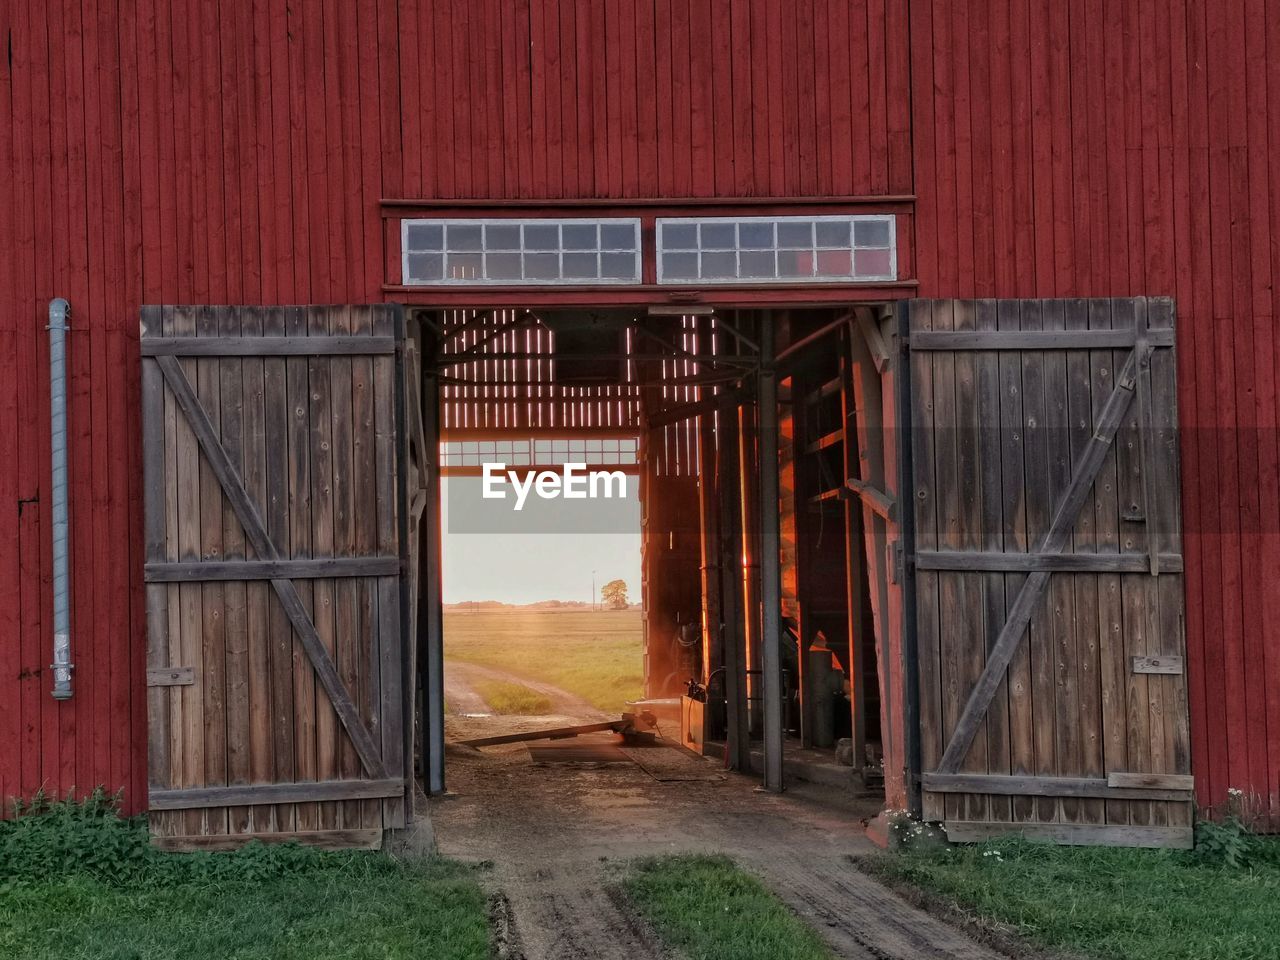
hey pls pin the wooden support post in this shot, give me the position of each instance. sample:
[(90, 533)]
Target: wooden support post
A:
[(749, 551), (803, 473), (708, 510), (770, 578), (738, 745), (430, 610), (855, 563)]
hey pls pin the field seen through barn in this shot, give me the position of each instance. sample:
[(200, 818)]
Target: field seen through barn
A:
[(594, 655)]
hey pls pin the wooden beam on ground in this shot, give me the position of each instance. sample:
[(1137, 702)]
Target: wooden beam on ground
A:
[(555, 733)]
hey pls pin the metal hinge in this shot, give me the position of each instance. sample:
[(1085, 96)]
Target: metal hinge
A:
[(894, 561)]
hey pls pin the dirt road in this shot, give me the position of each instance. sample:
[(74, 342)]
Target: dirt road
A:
[(560, 835), (462, 699)]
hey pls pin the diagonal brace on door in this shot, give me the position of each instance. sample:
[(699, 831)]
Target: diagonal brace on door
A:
[(1064, 521), (233, 487)]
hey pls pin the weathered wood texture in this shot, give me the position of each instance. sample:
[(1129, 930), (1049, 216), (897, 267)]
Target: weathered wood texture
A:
[(1025, 672), (260, 470), (874, 387)]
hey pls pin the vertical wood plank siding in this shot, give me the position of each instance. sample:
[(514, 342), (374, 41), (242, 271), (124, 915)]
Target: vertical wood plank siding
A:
[(235, 153)]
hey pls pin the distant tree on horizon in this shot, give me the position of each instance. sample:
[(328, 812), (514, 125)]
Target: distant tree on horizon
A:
[(614, 594)]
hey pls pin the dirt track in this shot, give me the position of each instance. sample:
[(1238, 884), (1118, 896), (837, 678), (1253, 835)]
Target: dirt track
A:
[(559, 835), (460, 694)]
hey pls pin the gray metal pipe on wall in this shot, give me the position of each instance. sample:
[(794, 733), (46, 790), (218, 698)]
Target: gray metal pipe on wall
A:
[(59, 310)]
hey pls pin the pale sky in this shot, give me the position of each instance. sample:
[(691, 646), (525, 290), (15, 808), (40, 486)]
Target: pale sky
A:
[(547, 551)]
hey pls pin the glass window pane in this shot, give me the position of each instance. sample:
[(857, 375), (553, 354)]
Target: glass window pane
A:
[(425, 236), (580, 266), (618, 266), (795, 263), (542, 266), (872, 263), (541, 236), (792, 234), (617, 236), (755, 236), (832, 233), (463, 266), (425, 266), (719, 236), (871, 233), (720, 265), (502, 236), (503, 266), (679, 236), (834, 263), (579, 236), (463, 236), (757, 263), (680, 266)]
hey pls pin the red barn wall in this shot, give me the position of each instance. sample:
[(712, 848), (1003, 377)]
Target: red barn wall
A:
[(1130, 147), (213, 152), (236, 152)]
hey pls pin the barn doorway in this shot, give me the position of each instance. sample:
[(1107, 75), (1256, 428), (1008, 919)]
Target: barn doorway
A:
[(669, 397), (292, 466)]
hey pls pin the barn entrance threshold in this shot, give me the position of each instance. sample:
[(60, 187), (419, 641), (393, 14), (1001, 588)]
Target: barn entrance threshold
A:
[(559, 835)]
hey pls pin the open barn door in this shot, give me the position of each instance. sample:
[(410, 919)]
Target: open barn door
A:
[(1048, 570), (276, 554)]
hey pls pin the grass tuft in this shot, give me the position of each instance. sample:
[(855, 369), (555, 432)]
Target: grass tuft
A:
[(709, 908), (78, 882), (1109, 903), (516, 699)]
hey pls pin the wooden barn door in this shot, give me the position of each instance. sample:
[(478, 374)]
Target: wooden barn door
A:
[(275, 548), (1048, 570)]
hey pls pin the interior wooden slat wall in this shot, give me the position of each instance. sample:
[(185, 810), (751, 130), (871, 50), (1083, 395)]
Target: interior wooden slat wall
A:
[(520, 394), (315, 440), (997, 436)]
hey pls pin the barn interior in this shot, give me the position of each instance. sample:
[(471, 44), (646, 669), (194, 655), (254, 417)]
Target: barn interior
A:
[(706, 399)]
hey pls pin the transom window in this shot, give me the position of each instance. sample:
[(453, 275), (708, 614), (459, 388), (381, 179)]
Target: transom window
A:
[(516, 252), (540, 452), (776, 249)]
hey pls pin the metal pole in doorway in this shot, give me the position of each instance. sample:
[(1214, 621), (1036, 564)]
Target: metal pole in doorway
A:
[(770, 573)]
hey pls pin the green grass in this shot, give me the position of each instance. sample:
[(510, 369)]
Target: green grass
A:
[(513, 698), (710, 909), (597, 655), (76, 883), (1115, 904)]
